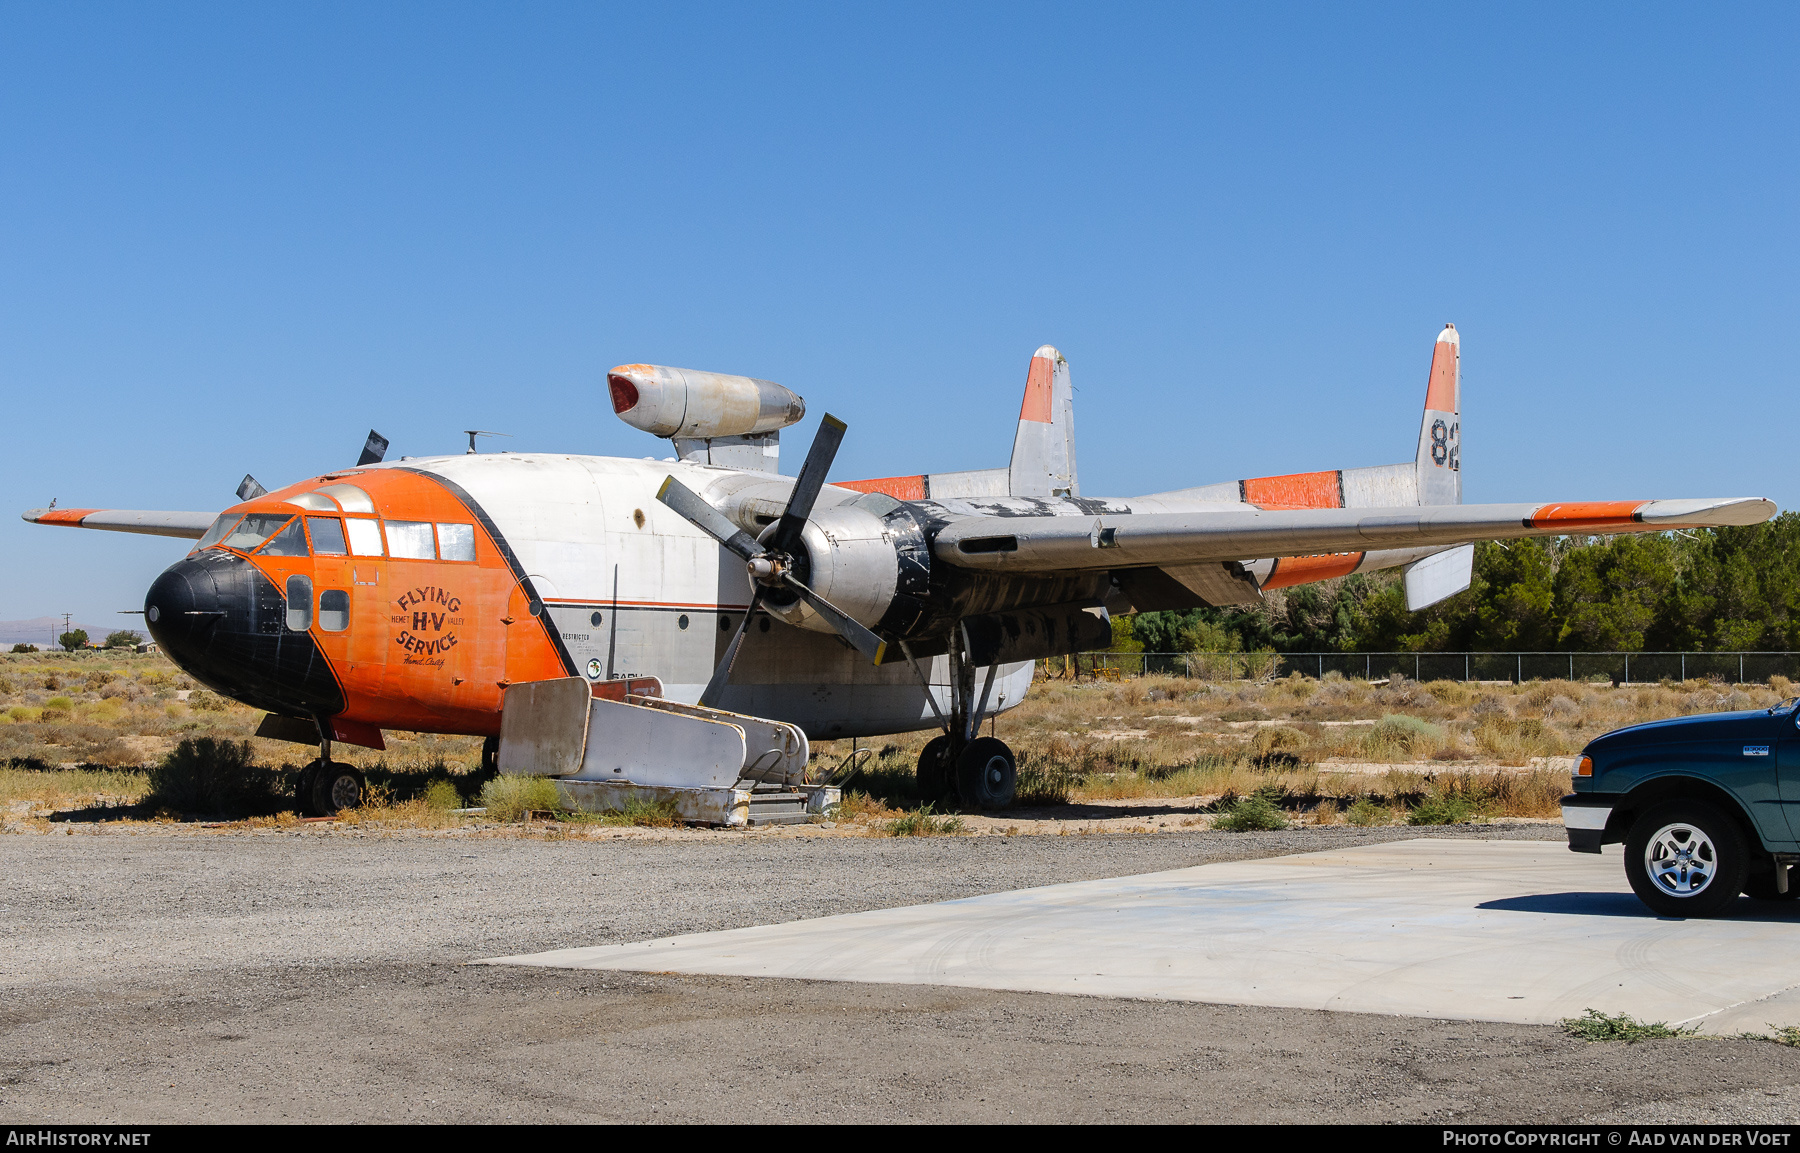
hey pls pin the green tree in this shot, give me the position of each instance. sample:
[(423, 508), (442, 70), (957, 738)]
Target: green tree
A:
[(1608, 596), (123, 639), (73, 639)]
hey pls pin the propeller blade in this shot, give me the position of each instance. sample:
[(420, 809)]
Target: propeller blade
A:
[(722, 675), (708, 519), (786, 537), (866, 642), (250, 488), (373, 449)]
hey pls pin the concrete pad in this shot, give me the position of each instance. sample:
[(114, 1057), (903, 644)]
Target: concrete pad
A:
[(1476, 930)]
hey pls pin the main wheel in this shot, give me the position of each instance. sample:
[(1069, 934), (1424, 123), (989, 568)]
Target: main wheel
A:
[(987, 776), (933, 774), (336, 787), (1760, 884), (490, 757), (1686, 859), (303, 790)]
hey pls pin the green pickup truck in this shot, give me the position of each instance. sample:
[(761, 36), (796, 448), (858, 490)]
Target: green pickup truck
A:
[(1708, 807)]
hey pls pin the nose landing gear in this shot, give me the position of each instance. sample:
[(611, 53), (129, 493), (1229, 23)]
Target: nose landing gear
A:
[(327, 787)]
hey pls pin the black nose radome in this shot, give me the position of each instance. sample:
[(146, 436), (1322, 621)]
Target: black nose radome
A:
[(223, 622)]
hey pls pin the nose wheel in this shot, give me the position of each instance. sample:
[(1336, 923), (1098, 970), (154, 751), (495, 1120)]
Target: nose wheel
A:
[(327, 787)]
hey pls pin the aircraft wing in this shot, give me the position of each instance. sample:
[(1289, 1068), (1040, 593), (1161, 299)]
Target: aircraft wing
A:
[(188, 525), (1109, 541)]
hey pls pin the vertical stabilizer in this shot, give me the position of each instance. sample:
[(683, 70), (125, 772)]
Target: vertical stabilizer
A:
[(1439, 460), (1043, 458)]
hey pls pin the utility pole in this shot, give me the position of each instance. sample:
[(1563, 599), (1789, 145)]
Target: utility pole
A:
[(66, 617)]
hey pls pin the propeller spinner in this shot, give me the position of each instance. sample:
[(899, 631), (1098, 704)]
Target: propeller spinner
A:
[(771, 565)]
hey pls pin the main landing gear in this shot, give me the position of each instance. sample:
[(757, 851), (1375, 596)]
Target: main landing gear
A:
[(982, 770), (326, 787)]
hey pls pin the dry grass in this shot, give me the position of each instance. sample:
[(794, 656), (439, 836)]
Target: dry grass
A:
[(74, 726)]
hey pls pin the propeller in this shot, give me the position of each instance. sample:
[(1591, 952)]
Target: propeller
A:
[(771, 565)]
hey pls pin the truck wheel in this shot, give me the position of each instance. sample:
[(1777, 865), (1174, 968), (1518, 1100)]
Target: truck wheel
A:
[(1685, 858), (1760, 884), (934, 772), (987, 775)]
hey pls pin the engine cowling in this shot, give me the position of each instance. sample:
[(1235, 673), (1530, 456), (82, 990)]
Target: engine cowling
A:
[(694, 405), (868, 557)]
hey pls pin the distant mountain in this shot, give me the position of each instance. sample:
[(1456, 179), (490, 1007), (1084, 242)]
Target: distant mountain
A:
[(43, 631)]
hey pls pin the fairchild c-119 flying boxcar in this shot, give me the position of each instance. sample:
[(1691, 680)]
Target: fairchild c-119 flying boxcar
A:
[(688, 625)]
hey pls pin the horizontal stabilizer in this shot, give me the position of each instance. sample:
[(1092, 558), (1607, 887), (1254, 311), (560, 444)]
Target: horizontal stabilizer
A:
[(187, 525)]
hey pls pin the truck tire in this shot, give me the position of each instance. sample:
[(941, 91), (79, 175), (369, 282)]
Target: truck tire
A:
[(1685, 858)]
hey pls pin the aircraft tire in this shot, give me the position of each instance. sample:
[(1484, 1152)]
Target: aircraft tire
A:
[(337, 787), (987, 774), (303, 788), (933, 771)]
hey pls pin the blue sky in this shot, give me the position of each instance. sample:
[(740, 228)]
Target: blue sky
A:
[(235, 237)]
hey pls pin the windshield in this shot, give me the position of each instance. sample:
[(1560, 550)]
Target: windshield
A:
[(217, 531), (1785, 707), (254, 529)]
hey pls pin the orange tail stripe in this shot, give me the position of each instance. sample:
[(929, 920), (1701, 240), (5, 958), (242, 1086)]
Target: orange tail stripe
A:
[(1296, 490), (898, 487), (1037, 392), (68, 516), (1587, 514), (1440, 393), (1299, 570)]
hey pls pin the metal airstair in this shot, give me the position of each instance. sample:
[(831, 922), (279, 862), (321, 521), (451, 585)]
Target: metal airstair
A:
[(607, 744)]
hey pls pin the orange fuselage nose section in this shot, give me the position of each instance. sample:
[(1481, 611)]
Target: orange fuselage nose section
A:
[(416, 608)]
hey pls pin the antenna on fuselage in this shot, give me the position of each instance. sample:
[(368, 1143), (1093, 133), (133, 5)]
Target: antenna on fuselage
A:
[(472, 433)]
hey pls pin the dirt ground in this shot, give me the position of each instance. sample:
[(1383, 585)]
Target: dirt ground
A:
[(302, 975)]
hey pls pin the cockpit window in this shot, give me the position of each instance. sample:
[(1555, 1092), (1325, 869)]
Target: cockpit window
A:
[(352, 498), (314, 501), (218, 530), (327, 535), (410, 539), (456, 541), (254, 529), (365, 536), (290, 541)]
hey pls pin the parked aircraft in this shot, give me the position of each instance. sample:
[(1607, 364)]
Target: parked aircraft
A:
[(414, 595)]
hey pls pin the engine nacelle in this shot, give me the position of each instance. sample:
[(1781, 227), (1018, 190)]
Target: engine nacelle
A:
[(693, 405), (867, 557)]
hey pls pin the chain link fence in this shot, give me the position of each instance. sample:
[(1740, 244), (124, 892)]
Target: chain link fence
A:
[(1600, 668)]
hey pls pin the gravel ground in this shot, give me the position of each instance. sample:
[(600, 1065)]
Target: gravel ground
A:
[(315, 976)]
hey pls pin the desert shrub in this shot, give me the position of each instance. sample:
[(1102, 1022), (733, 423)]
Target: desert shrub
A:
[(508, 798), (206, 702), (63, 703), (53, 682), (215, 777), (1366, 812), (1408, 735), (1489, 706), (99, 679), (1440, 809), (1560, 707), (1782, 686), (1276, 739), (1251, 814), (441, 794)]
